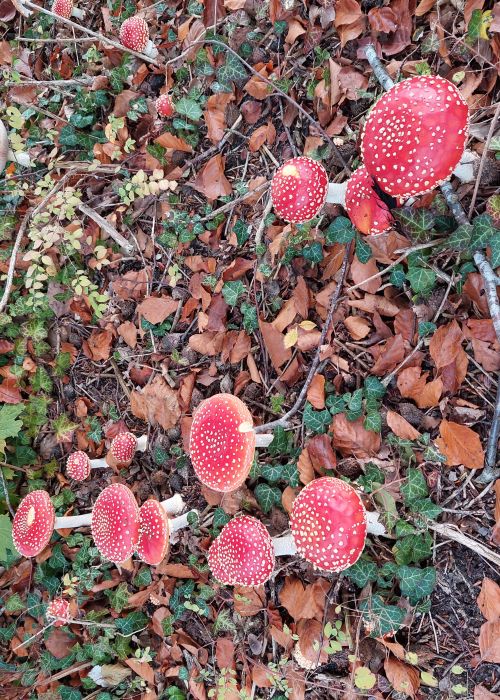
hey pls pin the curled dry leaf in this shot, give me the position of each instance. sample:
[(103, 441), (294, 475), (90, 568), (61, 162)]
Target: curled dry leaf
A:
[(489, 600), (446, 344), (157, 309), (401, 427), (412, 384), (321, 454), (489, 641), (304, 602), (316, 392), (460, 445), (403, 678), (274, 343), (98, 345), (357, 326), (211, 180), (128, 332)]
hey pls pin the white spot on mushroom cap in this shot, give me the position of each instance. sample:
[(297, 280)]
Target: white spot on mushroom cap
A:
[(115, 523), (78, 466), (63, 8)]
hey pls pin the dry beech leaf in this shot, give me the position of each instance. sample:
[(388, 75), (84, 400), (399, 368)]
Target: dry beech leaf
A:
[(211, 180), (59, 643), (489, 600), (403, 678), (98, 345), (304, 602), (352, 439), (132, 285), (157, 404), (142, 669), (357, 326), (412, 384), (445, 344), (305, 467), (460, 445), (288, 497), (489, 642), (373, 302), (316, 392), (248, 602), (321, 453), (157, 309), (274, 342), (224, 653), (481, 693), (401, 427), (9, 391), (391, 355), (128, 332), (173, 143)]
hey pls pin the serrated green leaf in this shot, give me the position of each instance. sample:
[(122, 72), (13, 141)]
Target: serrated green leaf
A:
[(415, 583), (9, 425), (362, 572), (381, 619), (14, 603), (232, 291), (189, 108), (132, 623), (340, 231), (316, 421), (363, 250), (267, 496), (415, 487), (421, 279)]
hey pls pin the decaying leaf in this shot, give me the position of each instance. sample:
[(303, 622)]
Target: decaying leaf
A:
[(156, 404)]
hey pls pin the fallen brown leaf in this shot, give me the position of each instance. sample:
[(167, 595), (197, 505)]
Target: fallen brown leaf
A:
[(211, 180), (274, 342), (157, 309), (489, 642), (157, 404), (403, 678), (316, 392), (98, 345), (304, 602), (401, 427), (357, 326), (446, 343), (352, 438), (489, 600), (460, 445)]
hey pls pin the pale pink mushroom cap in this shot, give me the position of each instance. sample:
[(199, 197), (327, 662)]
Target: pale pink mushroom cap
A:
[(328, 523), (58, 608), (33, 523), (415, 135), (78, 466), (115, 523), (298, 189), (154, 532), (63, 8), (134, 33), (243, 554), (123, 448), (367, 211), (164, 106), (222, 442)]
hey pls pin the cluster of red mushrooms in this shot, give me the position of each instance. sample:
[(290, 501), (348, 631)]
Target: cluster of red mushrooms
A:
[(413, 140)]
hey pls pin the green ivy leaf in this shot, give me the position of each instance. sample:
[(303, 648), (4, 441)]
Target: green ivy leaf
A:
[(189, 108), (250, 321), (421, 279), (241, 230), (413, 548), (362, 572), (232, 291), (373, 422), (118, 597), (232, 70), (316, 421), (132, 623), (14, 603), (424, 506), (380, 618), (426, 328), (363, 250), (460, 238), (335, 404), (290, 474), (340, 231), (69, 693), (142, 578), (372, 479), (415, 583), (313, 252), (220, 518), (267, 496), (398, 276), (483, 231), (416, 222), (282, 442), (415, 487), (374, 388), (272, 472), (495, 251)]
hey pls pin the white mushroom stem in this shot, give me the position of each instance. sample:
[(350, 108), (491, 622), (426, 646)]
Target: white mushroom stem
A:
[(181, 521), (172, 506), (285, 546), (263, 439), (336, 193), (7, 153), (101, 463), (150, 50), (79, 14)]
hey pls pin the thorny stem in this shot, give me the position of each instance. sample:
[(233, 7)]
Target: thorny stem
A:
[(489, 277), (284, 421)]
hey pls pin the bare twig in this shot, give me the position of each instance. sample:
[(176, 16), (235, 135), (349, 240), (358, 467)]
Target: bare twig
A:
[(284, 421), (453, 533), (378, 69), (262, 222), (49, 83), (125, 245), (7, 499), (483, 158)]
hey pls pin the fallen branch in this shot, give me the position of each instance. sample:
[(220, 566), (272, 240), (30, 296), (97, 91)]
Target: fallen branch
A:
[(125, 245), (284, 421), (453, 533)]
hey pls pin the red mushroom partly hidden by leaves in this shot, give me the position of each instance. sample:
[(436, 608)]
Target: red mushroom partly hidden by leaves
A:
[(33, 523), (328, 524), (298, 189), (154, 532), (365, 206), (415, 135), (65, 8), (78, 466), (134, 34), (115, 523), (222, 442), (122, 450), (243, 554), (165, 106), (58, 609)]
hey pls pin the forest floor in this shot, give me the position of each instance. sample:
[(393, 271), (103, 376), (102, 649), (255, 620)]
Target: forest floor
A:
[(211, 292)]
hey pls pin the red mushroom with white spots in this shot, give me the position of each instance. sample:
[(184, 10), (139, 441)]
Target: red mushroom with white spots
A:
[(415, 135), (121, 452), (33, 523), (66, 9), (242, 554), (115, 523), (222, 442), (134, 35), (58, 611), (299, 189), (367, 208), (164, 106), (154, 532)]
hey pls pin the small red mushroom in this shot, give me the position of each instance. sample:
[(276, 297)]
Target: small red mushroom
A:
[(58, 609), (154, 532), (165, 106), (78, 466), (115, 523), (134, 34), (33, 523), (243, 554), (366, 209), (222, 442), (299, 189), (415, 135), (122, 450), (328, 524), (65, 8)]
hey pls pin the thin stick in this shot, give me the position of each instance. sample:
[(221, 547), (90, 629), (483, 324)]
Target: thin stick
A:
[(378, 69), (284, 421), (48, 83), (127, 247), (7, 499), (490, 473), (453, 533), (483, 158)]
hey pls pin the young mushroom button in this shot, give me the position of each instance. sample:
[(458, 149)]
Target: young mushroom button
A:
[(243, 554), (154, 532), (64, 8), (115, 523), (222, 442), (364, 205), (78, 466), (134, 34), (164, 106), (122, 450), (298, 189), (33, 523), (328, 524), (415, 135), (58, 609)]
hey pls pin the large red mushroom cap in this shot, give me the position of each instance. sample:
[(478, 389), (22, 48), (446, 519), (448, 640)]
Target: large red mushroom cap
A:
[(33, 523), (63, 8), (222, 442), (58, 609), (115, 523), (298, 189), (415, 135), (122, 449), (154, 532), (78, 466), (243, 554), (328, 523), (164, 106), (367, 210), (134, 33)]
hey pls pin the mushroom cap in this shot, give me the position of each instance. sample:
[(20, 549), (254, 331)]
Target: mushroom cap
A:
[(298, 189), (415, 135), (328, 523), (243, 553), (367, 210), (33, 523), (58, 608), (63, 8), (134, 33), (123, 448), (164, 106), (154, 532), (78, 466), (222, 442), (115, 523)]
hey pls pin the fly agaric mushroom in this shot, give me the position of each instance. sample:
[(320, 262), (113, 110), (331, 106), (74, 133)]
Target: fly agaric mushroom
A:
[(58, 610), (299, 189), (33, 523), (123, 448), (222, 442), (134, 34), (154, 531), (415, 135), (242, 554), (64, 8), (367, 208), (78, 466), (115, 523), (165, 106)]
